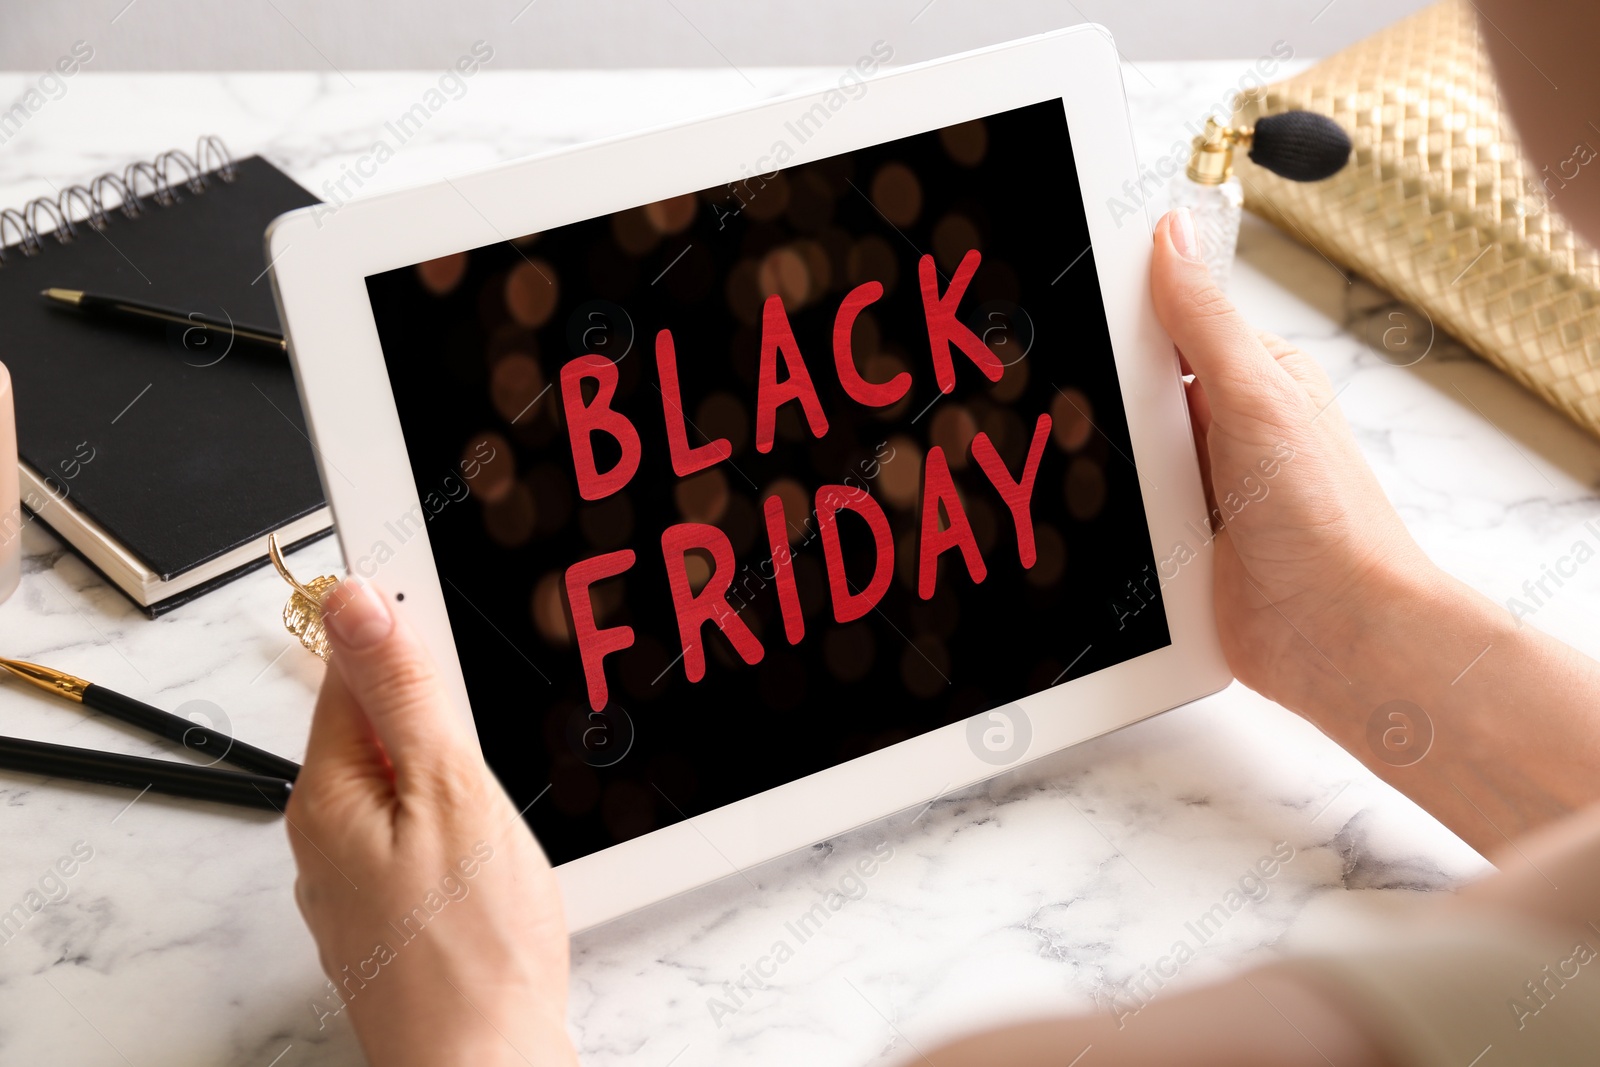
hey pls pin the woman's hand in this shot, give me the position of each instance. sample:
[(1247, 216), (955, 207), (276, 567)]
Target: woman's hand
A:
[(1307, 547), (1326, 604), (436, 915)]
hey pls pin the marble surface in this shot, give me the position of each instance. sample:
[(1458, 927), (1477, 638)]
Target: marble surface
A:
[(1047, 888)]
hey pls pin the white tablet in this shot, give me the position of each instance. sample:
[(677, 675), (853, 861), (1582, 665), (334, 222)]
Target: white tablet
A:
[(758, 477)]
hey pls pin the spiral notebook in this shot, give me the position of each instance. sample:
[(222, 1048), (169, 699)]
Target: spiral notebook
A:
[(163, 463)]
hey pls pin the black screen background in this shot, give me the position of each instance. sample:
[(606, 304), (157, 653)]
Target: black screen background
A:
[(1006, 185)]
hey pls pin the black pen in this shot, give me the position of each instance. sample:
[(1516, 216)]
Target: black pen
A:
[(119, 308), (136, 772), (186, 732)]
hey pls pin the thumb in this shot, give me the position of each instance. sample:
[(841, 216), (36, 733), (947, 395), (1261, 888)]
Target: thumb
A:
[(1245, 386), (392, 678)]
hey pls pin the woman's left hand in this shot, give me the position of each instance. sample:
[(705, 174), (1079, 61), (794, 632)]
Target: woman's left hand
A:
[(436, 915)]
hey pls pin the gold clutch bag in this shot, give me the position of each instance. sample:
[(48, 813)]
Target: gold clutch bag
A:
[(1439, 206)]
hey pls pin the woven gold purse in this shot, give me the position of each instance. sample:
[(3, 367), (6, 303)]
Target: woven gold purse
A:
[(1439, 206)]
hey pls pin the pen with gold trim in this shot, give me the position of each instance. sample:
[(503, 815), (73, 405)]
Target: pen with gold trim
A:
[(116, 308), (186, 732), (137, 772)]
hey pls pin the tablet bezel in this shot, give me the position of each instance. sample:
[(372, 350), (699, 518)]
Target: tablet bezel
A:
[(320, 258)]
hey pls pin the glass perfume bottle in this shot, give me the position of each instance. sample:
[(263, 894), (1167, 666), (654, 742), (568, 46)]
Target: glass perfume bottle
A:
[(1300, 146), (1211, 192)]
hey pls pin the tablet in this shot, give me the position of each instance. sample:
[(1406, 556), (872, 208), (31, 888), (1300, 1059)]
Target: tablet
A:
[(761, 476)]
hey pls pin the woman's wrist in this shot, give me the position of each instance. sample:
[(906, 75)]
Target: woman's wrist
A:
[(1404, 632), (464, 1024), (1441, 693), (1367, 639), (1425, 631), (474, 1044)]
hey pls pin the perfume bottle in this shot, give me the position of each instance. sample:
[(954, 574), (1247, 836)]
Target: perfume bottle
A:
[(1214, 197), (1301, 146)]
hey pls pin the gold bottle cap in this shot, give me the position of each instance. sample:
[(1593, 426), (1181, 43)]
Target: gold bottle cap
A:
[(1211, 153)]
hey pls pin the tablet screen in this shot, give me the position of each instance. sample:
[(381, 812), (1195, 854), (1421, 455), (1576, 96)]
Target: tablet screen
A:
[(730, 488)]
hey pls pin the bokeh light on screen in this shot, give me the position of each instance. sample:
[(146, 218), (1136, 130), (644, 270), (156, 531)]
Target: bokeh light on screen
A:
[(897, 193), (532, 292)]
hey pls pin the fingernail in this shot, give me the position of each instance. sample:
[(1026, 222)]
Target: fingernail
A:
[(356, 615), (1180, 228)]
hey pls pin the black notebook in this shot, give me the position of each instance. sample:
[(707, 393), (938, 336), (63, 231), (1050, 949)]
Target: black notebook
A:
[(162, 455)]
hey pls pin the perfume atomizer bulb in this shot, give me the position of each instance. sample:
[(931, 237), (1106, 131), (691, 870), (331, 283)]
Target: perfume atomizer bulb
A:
[(1300, 146)]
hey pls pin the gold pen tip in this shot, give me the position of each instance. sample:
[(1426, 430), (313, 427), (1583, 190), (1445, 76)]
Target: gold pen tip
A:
[(63, 296), (47, 678)]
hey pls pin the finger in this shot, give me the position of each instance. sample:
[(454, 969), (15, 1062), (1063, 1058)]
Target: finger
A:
[(1200, 422), (1276, 346), (1243, 382), (1301, 367), (346, 776), (1194, 395), (392, 679), (342, 741), (1199, 415)]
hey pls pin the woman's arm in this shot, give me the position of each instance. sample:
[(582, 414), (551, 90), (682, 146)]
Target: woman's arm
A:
[(1511, 723), (1259, 1020)]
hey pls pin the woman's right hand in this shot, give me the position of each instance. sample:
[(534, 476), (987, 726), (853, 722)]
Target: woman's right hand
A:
[(1309, 540), (1325, 604)]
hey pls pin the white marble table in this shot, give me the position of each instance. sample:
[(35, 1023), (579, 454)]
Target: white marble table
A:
[(179, 944)]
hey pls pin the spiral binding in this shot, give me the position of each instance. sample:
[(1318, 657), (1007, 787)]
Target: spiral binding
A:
[(91, 203)]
